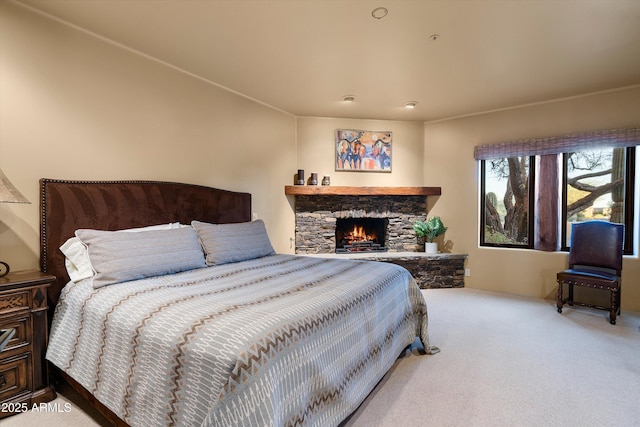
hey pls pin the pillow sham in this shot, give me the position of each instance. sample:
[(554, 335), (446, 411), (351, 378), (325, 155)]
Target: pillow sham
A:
[(77, 260), (120, 257), (225, 243)]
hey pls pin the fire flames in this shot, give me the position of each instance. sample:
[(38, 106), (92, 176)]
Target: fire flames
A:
[(358, 235)]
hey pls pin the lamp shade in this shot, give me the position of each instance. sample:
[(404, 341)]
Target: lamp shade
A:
[(9, 193)]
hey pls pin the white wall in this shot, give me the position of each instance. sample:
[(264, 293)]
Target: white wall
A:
[(316, 151), (75, 107), (451, 163)]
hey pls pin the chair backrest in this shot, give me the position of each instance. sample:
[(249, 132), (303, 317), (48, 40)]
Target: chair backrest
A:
[(597, 244)]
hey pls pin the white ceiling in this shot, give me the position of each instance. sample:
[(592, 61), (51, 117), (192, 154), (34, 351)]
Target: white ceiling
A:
[(303, 56)]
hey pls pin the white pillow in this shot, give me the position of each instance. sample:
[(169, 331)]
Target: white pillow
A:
[(170, 226), (121, 257), (77, 259)]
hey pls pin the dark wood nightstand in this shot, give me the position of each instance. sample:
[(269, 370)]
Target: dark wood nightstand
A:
[(24, 380)]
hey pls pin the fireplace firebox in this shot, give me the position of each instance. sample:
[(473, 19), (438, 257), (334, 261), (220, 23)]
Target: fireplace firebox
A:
[(361, 234)]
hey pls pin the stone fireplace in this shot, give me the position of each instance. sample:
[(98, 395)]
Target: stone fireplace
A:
[(319, 210), (317, 217)]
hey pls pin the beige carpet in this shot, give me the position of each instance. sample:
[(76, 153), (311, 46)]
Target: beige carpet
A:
[(504, 361), (513, 361)]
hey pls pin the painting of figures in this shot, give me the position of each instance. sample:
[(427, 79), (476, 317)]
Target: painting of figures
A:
[(363, 150)]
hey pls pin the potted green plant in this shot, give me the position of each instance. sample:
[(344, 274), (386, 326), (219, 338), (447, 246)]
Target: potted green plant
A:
[(429, 230)]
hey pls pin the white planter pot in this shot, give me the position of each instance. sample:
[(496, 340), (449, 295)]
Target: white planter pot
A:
[(431, 248)]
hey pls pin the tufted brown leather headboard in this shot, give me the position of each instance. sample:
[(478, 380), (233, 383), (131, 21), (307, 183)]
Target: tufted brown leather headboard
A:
[(113, 205)]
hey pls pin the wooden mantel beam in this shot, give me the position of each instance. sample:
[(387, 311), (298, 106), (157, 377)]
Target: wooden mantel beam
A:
[(327, 190)]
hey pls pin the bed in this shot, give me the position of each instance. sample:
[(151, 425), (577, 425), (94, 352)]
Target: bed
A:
[(192, 319)]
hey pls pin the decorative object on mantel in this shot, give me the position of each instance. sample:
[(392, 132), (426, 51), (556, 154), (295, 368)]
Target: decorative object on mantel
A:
[(429, 230), (300, 179), (363, 150), (314, 179), (326, 180), (8, 194)]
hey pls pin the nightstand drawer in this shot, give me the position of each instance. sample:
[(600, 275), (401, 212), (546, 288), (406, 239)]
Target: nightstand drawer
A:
[(14, 377), (24, 379), (14, 301), (21, 338)]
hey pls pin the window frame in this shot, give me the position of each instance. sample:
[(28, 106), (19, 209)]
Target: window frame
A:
[(629, 208), (530, 207), (546, 216)]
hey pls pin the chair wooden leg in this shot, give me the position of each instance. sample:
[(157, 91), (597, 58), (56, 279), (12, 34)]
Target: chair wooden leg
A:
[(619, 299), (614, 307), (559, 302), (570, 298)]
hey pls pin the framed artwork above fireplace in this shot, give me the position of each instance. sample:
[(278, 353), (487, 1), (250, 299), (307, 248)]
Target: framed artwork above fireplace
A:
[(363, 150)]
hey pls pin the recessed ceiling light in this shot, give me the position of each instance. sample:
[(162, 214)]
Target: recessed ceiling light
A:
[(349, 98), (410, 105), (379, 12)]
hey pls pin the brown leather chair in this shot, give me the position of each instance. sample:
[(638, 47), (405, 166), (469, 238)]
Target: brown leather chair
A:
[(595, 261)]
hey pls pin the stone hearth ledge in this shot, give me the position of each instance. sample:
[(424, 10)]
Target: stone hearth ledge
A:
[(431, 271)]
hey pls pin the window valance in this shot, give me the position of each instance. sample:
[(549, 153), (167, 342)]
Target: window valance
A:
[(559, 144)]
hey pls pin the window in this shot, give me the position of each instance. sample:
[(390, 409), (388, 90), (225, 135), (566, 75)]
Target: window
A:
[(532, 190), (507, 186), (598, 184)]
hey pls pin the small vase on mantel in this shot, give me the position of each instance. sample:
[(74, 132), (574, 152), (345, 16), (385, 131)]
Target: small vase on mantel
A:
[(431, 247)]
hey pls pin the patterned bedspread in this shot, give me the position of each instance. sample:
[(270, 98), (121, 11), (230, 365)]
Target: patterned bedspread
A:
[(282, 340)]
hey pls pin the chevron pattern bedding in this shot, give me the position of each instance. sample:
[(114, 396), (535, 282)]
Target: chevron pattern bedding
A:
[(281, 340)]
